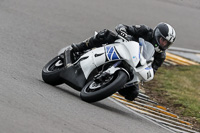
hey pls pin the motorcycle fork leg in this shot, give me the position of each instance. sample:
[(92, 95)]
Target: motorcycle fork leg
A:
[(117, 64)]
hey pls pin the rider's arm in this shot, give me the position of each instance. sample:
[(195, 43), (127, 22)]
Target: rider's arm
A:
[(136, 31), (158, 60)]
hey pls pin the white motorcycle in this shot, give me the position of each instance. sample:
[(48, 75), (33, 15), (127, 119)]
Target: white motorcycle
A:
[(100, 72)]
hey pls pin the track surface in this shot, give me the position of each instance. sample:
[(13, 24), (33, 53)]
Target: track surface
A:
[(31, 33)]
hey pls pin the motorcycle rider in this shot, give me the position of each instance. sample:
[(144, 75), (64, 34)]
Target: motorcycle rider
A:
[(161, 37)]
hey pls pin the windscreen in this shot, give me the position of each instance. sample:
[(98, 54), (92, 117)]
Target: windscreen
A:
[(148, 49)]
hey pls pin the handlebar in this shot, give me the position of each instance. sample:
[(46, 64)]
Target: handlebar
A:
[(123, 38)]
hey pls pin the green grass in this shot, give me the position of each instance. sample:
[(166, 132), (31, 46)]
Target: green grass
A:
[(180, 87)]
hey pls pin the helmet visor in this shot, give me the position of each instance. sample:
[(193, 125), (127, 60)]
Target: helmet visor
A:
[(164, 44)]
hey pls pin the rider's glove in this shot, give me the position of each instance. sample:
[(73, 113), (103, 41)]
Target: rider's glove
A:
[(120, 29), (123, 34)]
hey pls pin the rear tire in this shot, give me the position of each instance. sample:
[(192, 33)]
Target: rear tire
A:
[(91, 94), (51, 71)]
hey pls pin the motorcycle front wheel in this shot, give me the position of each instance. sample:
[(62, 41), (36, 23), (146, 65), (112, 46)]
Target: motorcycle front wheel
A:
[(94, 91)]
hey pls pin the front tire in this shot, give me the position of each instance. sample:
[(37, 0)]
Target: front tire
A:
[(93, 92), (51, 71)]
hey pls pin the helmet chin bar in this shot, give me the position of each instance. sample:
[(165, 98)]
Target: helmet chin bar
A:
[(157, 49)]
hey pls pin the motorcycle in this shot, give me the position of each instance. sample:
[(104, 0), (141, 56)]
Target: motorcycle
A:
[(100, 72)]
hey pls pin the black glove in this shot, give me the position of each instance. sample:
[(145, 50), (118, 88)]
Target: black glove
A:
[(121, 30)]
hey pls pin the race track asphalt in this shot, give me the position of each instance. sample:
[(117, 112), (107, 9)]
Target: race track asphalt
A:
[(32, 32)]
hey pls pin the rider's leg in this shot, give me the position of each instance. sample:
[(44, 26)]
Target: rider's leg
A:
[(104, 36), (130, 93)]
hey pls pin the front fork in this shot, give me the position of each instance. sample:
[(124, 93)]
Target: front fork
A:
[(110, 71)]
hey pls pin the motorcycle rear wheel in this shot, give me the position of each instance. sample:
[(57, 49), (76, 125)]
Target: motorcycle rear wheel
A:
[(93, 92), (51, 71)]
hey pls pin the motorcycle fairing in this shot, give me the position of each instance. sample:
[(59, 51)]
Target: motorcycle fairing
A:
[(96, 57), (128, 51), (73, 74), (111, 53)]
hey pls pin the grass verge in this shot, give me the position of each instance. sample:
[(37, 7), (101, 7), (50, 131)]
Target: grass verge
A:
[(178, 88)]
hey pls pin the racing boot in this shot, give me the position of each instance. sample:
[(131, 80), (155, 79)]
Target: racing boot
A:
[(80, 47), (85, 45), (130, 93)]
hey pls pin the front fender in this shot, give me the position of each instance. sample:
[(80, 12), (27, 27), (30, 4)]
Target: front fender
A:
[(113, 69)]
